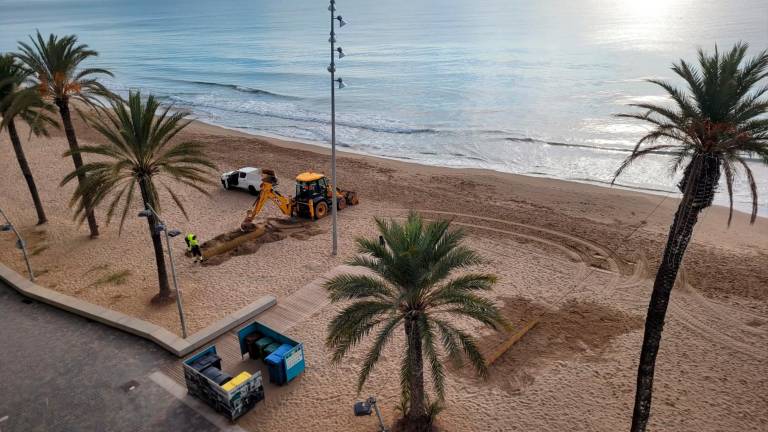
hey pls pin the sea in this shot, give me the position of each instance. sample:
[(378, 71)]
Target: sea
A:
[(519, 86)]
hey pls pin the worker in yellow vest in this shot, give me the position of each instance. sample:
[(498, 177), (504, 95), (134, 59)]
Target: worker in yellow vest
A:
[(194, 247)]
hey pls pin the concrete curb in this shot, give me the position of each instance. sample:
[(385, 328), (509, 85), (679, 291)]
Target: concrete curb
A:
[(153, 332)]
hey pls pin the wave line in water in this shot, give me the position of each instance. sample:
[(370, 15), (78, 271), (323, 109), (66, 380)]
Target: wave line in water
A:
[(310, 118), (236, 87), (595, 147)]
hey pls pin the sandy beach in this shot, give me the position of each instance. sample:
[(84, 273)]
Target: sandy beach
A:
[(579, 256)]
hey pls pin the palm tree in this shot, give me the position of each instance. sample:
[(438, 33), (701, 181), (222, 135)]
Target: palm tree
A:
[(56, 65), (712, 129), (411, 282), (140, 150), (26, 104)]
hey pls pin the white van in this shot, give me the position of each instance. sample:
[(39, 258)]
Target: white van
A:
[(247, 178)]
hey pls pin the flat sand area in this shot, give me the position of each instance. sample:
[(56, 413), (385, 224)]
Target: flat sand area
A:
[(577, 256)]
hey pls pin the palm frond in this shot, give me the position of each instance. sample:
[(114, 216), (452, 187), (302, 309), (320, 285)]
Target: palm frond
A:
[(467, 344), (374, 354), (353, 323), (430, 350), (350, 287)]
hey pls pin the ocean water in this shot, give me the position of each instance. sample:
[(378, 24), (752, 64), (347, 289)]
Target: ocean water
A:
[(527, 87)]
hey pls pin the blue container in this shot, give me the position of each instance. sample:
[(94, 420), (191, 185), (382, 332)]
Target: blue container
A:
[(276, 365), (276, 373), (293, 360)]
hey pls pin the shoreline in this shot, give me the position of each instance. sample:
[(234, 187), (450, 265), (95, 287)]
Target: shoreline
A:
[(323, 148)]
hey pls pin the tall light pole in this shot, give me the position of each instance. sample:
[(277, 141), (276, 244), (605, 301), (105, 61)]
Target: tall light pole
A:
[(20, 243), (334, 80), (168, 234)]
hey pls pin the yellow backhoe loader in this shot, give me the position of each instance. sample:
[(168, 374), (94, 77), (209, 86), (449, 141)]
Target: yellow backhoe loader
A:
[(313, 198)]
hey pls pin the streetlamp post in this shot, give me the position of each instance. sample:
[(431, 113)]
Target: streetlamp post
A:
[(334, 80), (168, 234), (20, 243)]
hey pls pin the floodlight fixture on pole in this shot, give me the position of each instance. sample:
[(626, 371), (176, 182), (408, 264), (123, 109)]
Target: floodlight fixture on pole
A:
[(366, 408), (334, 82), (161, 227), (20, 243)]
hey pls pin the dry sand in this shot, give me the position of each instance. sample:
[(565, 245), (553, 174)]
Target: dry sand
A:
[(563, 252)]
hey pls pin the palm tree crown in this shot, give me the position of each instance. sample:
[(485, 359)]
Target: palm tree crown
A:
[(56, 65), (717, 123), (411, 282), (139, 150), (19, 101)]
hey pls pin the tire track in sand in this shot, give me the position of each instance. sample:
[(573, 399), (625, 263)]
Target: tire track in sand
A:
[(585, 251)]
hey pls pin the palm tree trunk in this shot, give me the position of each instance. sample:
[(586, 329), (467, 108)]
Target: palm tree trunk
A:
[(162, 273), (69, 130), (26, 171), (417, 409), (700, 182)]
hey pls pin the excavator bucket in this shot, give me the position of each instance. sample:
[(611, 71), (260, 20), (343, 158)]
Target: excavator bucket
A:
[(247, 226)]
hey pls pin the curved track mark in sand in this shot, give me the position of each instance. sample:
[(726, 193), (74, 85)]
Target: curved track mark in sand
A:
[(613, 260), (720, 316)]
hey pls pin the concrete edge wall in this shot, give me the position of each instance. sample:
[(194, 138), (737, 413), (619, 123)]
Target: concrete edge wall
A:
[(153, 332)]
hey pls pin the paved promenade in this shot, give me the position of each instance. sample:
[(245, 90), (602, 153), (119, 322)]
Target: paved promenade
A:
[(60, 372)]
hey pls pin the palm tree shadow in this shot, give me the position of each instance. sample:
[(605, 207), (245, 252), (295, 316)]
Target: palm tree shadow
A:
[(577, 330)]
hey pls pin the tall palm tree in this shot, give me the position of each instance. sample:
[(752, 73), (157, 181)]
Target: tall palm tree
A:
[(712, 129), (25, 104), (56, 65), (140, 150), (412, 283)]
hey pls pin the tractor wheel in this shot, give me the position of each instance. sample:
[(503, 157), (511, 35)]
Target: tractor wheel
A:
[(253, 191), (341, 203), (321, 210)]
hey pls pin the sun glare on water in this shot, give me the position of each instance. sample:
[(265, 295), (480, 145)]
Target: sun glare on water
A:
[(646, 24)]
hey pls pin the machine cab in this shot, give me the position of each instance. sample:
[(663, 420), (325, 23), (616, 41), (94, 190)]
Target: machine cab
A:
[(310, 185)]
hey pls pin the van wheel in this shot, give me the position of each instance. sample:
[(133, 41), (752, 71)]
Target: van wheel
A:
[(321, 210), (253, 191)]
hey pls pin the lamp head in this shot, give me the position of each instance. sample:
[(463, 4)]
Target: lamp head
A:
[(145, 213), (341, 83), (341, 52), (174, 233), (342, 23), (362, 408)]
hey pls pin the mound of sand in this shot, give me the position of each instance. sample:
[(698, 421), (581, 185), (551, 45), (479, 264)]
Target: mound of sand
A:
[(274, 231)]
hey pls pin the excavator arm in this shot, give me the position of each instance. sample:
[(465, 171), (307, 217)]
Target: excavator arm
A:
[(267, 194)]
